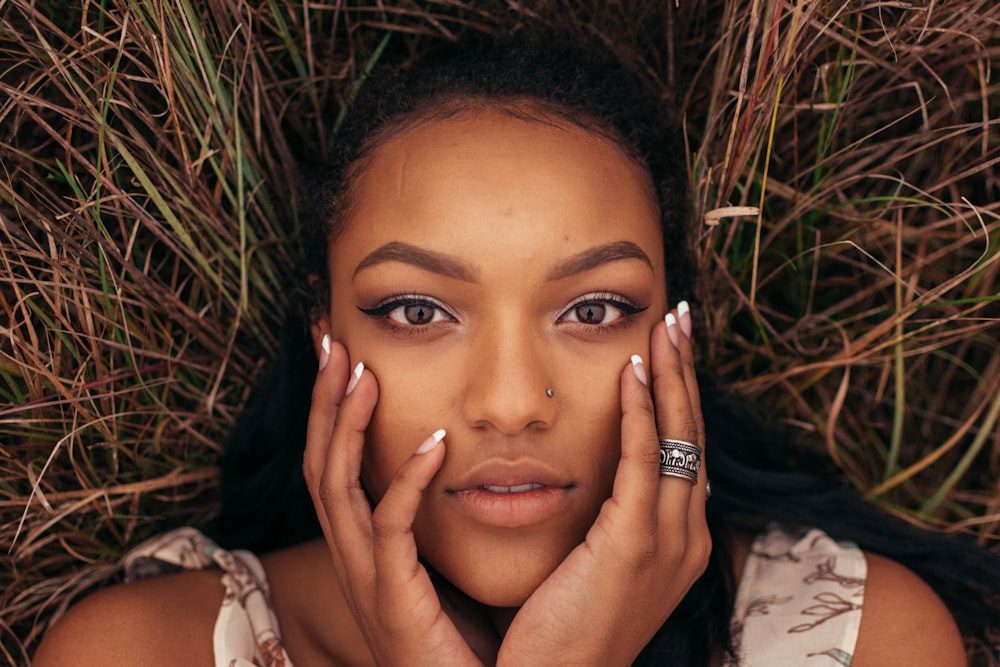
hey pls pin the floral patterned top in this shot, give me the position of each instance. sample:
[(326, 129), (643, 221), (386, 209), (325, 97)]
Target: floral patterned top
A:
[(246, 630), (798, 602)]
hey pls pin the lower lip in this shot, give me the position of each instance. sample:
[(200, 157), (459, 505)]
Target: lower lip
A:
[(512, 510)]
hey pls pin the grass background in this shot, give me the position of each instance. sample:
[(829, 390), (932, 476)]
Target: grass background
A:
[(843, 159)]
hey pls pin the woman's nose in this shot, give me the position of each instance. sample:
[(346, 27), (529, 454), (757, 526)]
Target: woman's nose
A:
[(509, 384)]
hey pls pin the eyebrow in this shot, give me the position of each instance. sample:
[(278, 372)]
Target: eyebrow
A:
[(594, 257), (397, 251)]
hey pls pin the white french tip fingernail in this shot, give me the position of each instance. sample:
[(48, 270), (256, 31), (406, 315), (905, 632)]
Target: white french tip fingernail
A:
[(355, 376), (684, 317), (672, 329), (325, 354), (431, 442), (639, 368)]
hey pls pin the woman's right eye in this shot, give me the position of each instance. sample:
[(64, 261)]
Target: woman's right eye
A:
[(409, 311)]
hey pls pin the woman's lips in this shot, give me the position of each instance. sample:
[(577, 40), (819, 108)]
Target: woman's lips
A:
[(511, 494), (520, 488)]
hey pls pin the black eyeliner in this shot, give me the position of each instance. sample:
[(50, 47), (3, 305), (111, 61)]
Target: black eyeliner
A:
[(389, 304), (627, 306)]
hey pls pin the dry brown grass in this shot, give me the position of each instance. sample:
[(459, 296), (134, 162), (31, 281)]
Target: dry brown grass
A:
[(149, 155)]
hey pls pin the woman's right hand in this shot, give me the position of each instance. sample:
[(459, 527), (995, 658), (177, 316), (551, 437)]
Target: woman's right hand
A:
[(389, 592)]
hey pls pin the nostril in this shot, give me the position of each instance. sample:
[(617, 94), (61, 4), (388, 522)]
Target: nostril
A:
[(510, 405)]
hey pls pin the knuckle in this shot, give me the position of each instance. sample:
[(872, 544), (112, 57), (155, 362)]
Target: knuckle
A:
[(354, 489), (316, 398), (699, 425), (684, 429), (382, 526), (673, 551), (642, 410), (404, 474), (327, 495), (700, 553), (649, 456), (309, 475), (691, 371), (691, 429), (645, 552), (674, 372)]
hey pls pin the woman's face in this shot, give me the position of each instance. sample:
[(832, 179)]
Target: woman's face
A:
[(487, 259)]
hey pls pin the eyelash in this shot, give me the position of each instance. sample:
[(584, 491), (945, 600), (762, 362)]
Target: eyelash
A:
[(627, 307), (382, 309)]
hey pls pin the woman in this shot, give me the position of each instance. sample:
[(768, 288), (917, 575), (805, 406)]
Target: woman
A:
[(492, 383)]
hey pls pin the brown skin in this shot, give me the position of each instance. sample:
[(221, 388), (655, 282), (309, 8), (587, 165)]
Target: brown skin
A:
[(512, 200)]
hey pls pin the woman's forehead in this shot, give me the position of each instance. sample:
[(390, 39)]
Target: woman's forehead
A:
[(490, 174)]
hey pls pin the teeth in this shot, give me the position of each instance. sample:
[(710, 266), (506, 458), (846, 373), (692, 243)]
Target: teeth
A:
[(520, 488)]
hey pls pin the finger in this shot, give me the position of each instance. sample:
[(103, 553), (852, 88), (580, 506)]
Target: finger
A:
[(329, 390), (327, 394), (675, 415), (405, 598), (395, 550), (675, 419), (636, 481), (683, 423), (343, 496), (686, 349), (698, 537)]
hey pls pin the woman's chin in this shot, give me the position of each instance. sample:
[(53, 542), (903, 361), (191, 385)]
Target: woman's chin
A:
[(511, 596), (503, 586), (499, 570)]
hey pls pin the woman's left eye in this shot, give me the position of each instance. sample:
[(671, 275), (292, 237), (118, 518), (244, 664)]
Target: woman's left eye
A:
[(599, 310), (409, 311)]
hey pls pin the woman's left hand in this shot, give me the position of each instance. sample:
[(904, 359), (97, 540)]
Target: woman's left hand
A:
[(649, 544)]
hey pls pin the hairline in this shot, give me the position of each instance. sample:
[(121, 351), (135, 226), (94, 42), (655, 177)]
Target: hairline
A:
[(526, 108)]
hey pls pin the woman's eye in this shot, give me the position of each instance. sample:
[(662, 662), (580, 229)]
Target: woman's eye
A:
[(416, 314), (595, 310), (409, 312)]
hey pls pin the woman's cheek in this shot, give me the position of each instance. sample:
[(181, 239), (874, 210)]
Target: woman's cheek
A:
[(409, 408), (588, 428), (384, 443), (600, 414)]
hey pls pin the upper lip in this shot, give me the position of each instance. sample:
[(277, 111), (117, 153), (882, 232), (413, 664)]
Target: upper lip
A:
[(507, 472)]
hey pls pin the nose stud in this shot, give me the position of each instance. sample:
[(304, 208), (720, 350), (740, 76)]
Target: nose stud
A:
[(550, 393)]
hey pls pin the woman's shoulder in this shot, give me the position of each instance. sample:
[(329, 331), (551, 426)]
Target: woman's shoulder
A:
[(172, 618), (803, 593), (904, 622), (162, 620)]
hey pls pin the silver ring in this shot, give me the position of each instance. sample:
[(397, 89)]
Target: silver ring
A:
[(679, 458)]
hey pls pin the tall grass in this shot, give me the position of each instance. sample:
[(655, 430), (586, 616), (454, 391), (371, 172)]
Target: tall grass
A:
[(843, 162)]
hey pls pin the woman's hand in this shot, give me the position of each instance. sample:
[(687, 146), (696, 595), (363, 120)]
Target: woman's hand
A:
[(650, 542), (374, 553)]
